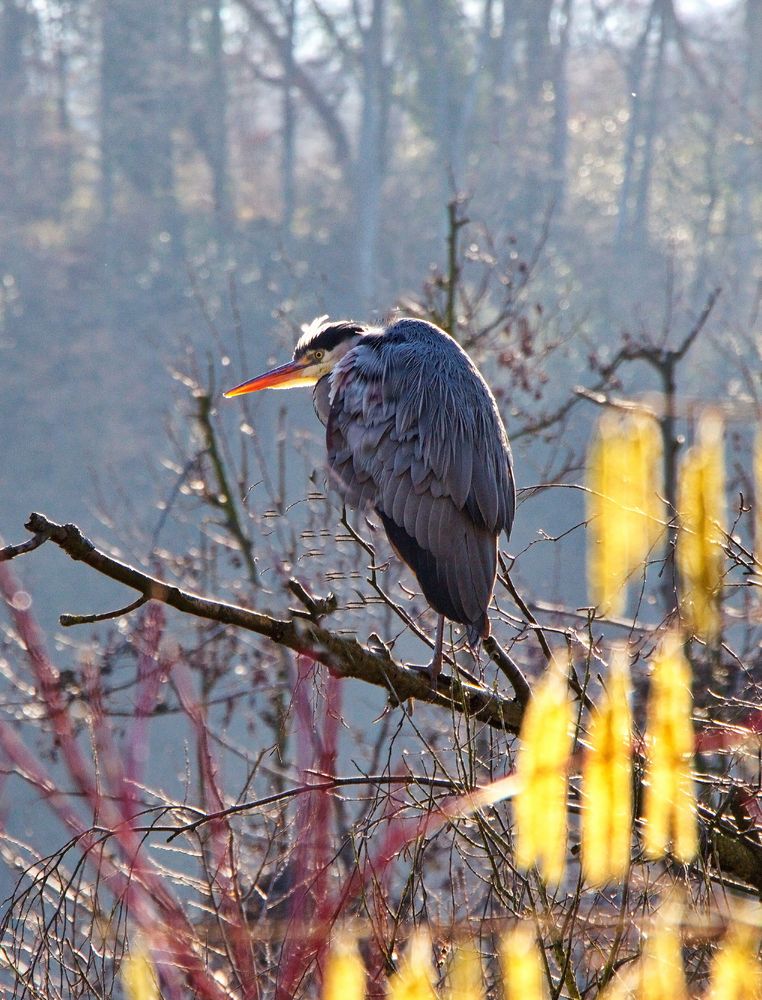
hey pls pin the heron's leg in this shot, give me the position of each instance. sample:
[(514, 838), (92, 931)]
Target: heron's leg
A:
[(435, 667)]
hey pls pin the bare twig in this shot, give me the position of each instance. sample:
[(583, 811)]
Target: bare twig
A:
[(225, 498), (505, 578), (329, 785), (68, 620), (317, 607), (11, 551), (510, 668)]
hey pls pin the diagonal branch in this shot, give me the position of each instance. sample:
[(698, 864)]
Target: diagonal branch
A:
[(344, 656)]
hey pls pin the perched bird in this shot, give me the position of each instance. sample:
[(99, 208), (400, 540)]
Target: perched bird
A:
[(413, 432)]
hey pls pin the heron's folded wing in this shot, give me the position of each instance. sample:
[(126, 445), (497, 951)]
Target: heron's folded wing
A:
[(441, 510)]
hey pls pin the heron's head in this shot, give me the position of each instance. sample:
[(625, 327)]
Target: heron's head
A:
[(319, 349)]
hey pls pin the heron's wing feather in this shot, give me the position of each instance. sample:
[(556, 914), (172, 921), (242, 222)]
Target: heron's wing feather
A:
[(439, 478)]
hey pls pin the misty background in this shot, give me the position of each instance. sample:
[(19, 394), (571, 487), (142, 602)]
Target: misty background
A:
[(152, 155)]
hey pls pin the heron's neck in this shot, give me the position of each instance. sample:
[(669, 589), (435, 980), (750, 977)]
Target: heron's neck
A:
[(321, 398)]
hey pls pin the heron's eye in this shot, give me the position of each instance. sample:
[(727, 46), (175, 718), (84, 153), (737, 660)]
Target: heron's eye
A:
[(319, 355)]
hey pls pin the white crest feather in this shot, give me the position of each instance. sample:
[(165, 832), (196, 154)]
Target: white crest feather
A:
[(311, 330)]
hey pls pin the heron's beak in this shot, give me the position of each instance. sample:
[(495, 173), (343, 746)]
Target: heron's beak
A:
[(286, 376)]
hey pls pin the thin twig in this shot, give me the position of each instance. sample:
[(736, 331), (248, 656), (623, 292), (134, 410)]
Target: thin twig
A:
[(225, 496), (11, 551), (317, 607), (510, 668), (505, 579), (319, 786), (521, 604), (68, 620)]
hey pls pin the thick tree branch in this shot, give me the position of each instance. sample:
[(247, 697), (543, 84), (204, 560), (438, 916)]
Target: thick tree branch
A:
[(345, 656)]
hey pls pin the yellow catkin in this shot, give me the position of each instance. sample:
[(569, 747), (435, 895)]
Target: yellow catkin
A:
[(758, 497), (669, 807), (464, 980), (344, 975), (661, 971), (541, 769), (624, 509), (414, 980), (648, 512), (736, 972), (701, 510), (521, 966), (606, 820), (138, 976)]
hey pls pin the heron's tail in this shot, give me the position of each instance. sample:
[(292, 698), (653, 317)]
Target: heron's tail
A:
[(478, 630)]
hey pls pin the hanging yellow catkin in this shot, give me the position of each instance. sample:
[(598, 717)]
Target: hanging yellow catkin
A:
[(661, 970), (624, 509), (606, 819), (521, 966), (414, 980), (648, 488), (138, 977), (541, 769), (669, 804), (700, 541), (464, 979), (344, 975), (736, 972)]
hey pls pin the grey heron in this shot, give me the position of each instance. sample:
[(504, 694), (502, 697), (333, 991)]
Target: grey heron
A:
[(413, 431)]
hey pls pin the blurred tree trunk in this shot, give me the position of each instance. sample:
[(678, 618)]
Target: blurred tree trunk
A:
[(635, 74), (538, 48), (467, 107), (534, 121), (748, 165), (712, 185), (13, 26), (139, 96), (451, 78), (372, 154), (665, 16), (203, 95), (645, 87), (435, 33), (559, 140), (502, 86), (63, 31), (505, 62), (288, 165), (217, 105), (436, 78)]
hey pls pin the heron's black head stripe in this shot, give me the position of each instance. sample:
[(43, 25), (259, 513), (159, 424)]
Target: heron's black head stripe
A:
[(328, 337)]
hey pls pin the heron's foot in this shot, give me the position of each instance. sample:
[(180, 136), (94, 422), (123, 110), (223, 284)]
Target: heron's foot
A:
[(435, 667), (377, 645), (425, 670)]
